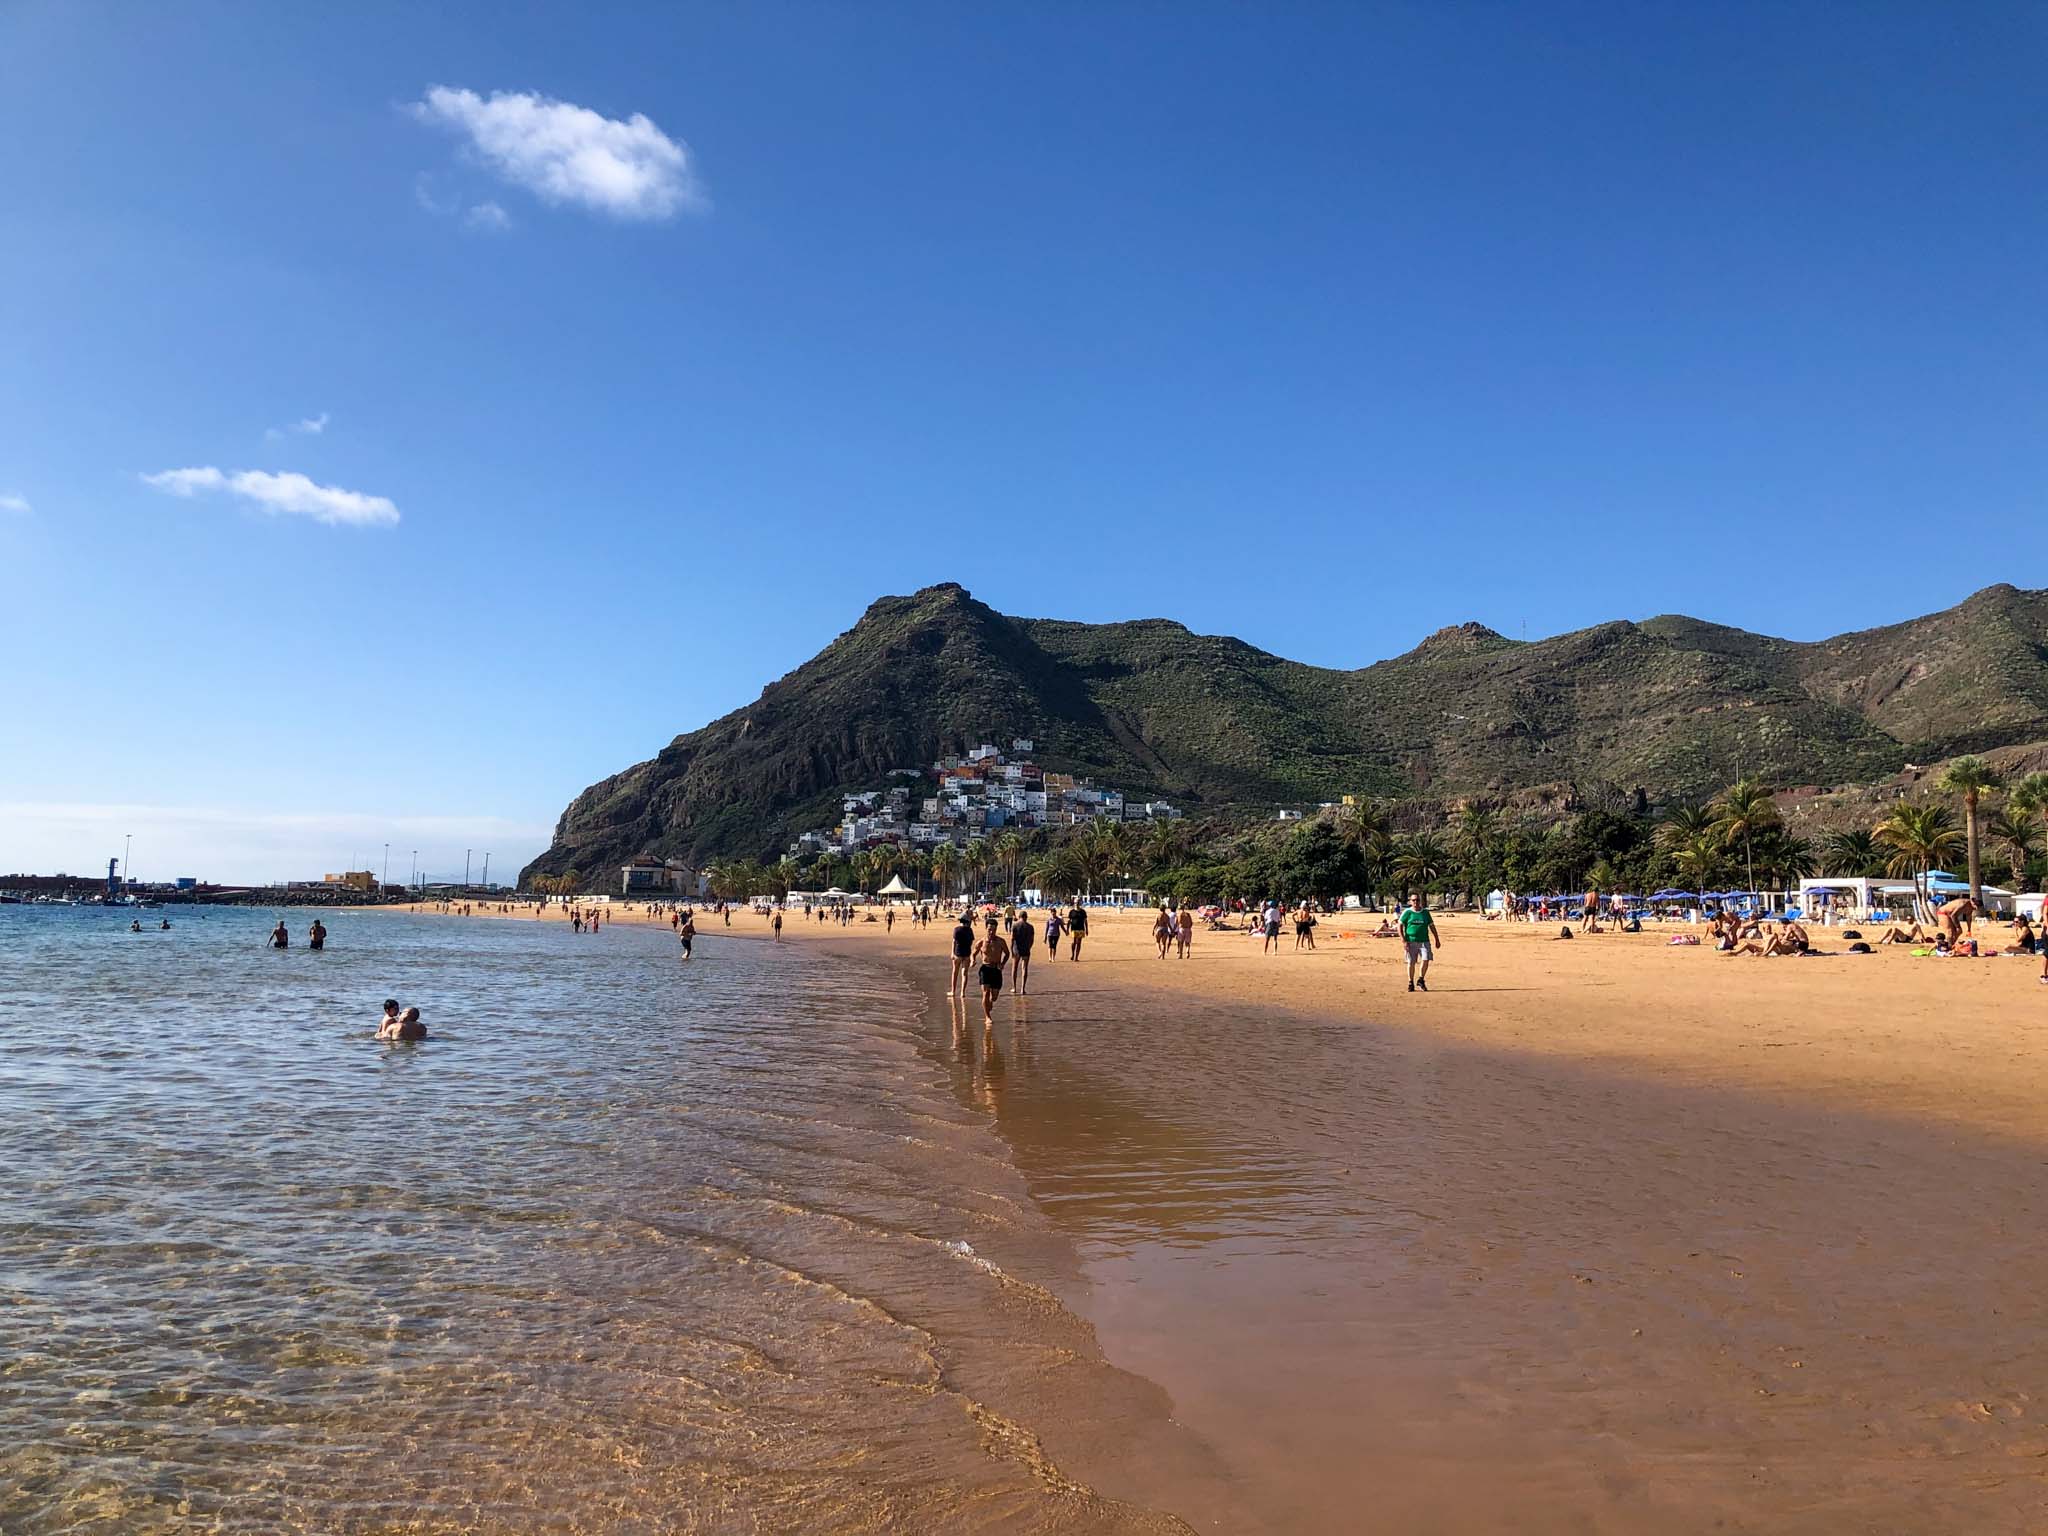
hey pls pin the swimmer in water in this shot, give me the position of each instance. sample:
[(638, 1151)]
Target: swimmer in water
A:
[(389, 1022), (401, 1026), (279, 938), (686, 931), (135, 925), (316, 936)]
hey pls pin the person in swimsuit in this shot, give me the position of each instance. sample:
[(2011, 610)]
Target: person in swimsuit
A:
[(686, 934), (1184, 929), (1054, 930), (1077, 928), (406, 1026), (1022, 938), (963, 949), (889, 921), (135, 925), (993, 953), (279, 938), (388, 1025), (1304, 926), (1162, 931), (777, 925), (316, 936)]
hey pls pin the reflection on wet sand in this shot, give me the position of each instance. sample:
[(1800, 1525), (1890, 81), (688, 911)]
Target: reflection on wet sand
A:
[(1473, 1290)]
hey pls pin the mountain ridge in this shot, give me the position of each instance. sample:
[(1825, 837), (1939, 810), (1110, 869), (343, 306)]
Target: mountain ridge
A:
[(1671, 705)]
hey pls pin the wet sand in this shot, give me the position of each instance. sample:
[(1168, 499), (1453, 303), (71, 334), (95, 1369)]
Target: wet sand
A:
[(1598, 1236)]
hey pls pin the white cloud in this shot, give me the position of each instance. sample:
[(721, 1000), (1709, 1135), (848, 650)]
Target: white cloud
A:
[(305, 426), (564, 153), (14, 501), (289, 493), (488, 216)]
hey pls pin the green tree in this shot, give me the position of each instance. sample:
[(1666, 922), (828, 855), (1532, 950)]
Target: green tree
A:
[(1853, 852), (1969, 777), (1920, 837), (1742, 811), (2014, 835), (1701, 859), (1420, 861)]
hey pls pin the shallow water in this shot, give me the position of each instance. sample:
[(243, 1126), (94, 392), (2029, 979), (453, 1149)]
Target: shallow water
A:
[(628, 1245)]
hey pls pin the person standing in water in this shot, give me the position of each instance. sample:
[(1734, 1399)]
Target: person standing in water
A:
[(686, 932), (993, 953), (776, 924), (963, 950), (1022, 938), (1421, 940), (279, 938), (316, 936)]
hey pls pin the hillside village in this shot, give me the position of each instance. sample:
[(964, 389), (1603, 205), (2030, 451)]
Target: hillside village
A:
[(985, 791)]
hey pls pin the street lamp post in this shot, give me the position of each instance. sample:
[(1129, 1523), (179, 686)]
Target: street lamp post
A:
[(465, 869), (387, 863), (487, 867)]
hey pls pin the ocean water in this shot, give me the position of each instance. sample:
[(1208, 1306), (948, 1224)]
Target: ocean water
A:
[(628, 1244)]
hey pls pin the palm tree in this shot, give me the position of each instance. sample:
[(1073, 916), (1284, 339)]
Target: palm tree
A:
[(945, 864), (2015, 835), (1367, 827), (1970, 777), (1700, 858), (1741, 811), (1920, 837), (1681, 824), (1009, 852), (1852, 852), (2028, 799), (1420, 860)]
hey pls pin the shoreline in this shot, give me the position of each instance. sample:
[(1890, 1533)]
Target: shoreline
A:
[(1599, 1235)]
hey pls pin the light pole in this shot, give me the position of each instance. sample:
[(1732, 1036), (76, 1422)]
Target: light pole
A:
[(465, 869), (415, 866), (487, 867), (387, 863), (127, 843)]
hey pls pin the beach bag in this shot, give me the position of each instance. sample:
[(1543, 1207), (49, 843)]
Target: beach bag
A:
[(1859, 949), (1565, 932), (1851, 933)]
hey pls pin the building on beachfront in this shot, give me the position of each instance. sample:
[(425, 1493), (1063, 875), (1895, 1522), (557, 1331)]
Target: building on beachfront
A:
[(649, 876), (354, 879)]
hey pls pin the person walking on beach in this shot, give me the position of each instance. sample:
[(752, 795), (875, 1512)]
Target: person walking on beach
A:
[(1077, 927), (993, 953), (963, 950), (1022, 938), (1162, 930), (889, 921), (279, 938), (1420, 938), (1055, 929), (1184, 924)]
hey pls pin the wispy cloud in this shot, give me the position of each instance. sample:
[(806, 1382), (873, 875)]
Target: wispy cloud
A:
[(562, 153), (305, 426), (488, 216), (289, 494), (14, 501)]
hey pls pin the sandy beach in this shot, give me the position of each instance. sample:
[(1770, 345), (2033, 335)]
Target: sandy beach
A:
[(1606, 1235)]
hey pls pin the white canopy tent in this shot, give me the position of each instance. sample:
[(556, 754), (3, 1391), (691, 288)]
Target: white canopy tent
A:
[(896, 887)]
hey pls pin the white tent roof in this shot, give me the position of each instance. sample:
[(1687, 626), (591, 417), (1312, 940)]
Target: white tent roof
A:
[(896, 887)]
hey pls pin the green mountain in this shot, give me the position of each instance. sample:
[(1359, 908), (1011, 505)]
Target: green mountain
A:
[(1671, 705)]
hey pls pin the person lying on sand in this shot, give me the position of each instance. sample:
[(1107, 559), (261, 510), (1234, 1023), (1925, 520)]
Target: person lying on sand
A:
[(1386, 930), (1913, 935)]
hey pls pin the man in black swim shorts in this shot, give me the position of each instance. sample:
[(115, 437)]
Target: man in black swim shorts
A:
[(994, 953)]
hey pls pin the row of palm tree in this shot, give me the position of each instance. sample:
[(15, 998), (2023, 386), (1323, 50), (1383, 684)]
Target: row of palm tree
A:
[(1608, 843)]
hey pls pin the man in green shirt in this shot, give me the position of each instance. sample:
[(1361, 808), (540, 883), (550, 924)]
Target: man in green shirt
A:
[(1419, 936)]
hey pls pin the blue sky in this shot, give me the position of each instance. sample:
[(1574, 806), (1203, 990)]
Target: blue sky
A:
[(1324, 327)]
